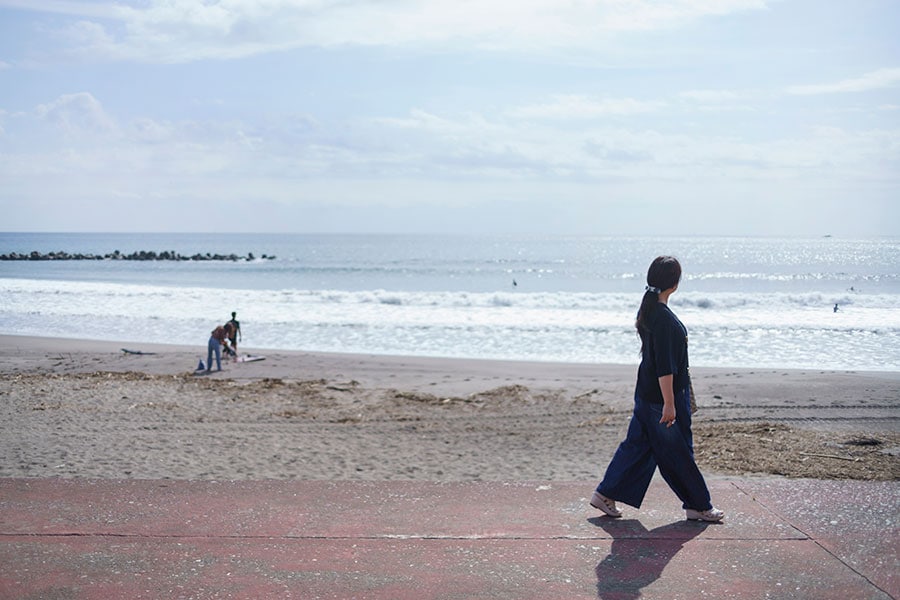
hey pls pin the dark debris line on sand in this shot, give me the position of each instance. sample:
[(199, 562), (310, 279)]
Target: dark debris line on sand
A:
[(779, 449)]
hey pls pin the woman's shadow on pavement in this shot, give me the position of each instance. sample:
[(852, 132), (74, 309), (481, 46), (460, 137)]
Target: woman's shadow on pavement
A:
[(638, 555)]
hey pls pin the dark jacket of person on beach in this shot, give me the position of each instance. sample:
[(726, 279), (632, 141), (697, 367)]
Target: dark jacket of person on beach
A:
[(659, 434), (235, 335)]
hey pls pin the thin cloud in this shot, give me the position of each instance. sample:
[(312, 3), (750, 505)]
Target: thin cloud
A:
[(712, 100), (430, 146), (99, 10), (710, 96), (427, 143), (882, 78), (76, 112), (584, 107), (186, 30)]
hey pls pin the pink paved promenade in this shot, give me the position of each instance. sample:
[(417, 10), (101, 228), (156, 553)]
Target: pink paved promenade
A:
[(130, 539)]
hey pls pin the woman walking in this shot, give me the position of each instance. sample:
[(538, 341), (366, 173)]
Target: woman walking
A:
[(659, 434)]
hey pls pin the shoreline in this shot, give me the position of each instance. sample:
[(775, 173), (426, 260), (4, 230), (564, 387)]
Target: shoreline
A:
[(450, 375), (35, 343), (437, 375), (82, 408)]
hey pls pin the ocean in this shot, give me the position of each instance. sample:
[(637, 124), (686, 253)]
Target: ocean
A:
[(746, 301)]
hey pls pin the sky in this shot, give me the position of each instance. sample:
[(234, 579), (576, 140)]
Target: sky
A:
[(635, 117)]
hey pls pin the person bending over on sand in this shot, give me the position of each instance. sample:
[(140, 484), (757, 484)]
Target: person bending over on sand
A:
[(216, 339), (659, 434)]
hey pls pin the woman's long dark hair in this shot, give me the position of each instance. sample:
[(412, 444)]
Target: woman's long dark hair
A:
[(664, 273)]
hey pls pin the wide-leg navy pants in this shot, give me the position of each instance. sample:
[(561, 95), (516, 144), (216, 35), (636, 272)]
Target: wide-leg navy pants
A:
[(650, 444)]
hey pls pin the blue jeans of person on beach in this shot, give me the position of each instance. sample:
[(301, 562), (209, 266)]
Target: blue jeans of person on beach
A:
[(213, 346), (650, 444)]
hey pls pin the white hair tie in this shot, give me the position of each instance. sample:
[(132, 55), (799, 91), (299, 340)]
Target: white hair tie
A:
[(653, 289)]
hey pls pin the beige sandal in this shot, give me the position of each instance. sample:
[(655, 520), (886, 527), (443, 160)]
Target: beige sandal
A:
[(601, 502)]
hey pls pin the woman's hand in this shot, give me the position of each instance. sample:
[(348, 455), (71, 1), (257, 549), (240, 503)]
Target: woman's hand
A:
[(668, 414), (668, 394)]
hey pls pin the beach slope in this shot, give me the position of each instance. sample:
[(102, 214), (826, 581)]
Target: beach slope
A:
[(86, 409)]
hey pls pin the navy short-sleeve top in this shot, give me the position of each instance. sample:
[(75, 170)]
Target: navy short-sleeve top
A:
[(665, 353)]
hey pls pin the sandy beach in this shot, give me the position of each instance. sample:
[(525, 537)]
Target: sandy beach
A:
[(77, 408)]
